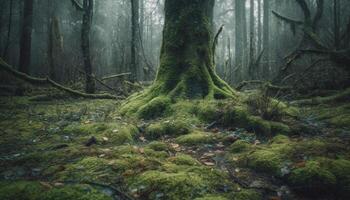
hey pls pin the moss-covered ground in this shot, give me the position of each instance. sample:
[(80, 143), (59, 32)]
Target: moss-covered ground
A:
[(244, 149)]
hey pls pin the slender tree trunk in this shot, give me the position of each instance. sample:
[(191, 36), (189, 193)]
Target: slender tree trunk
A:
[(9, 27), (88, 6), (239, 35), (26, 37), (134, 39), (252, 41), (259, 26), (336, 18), (245, 40), (266, 38)]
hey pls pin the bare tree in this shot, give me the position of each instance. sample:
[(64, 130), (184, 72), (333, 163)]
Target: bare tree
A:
[(87, 10)]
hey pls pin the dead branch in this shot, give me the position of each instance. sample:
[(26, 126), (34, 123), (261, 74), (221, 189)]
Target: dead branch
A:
[(115, 76), (216, 38), (42, 82), (258, 82), (96, 79), (77, 5)]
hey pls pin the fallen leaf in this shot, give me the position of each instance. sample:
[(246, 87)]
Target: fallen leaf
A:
[(300, 164), (45, 184), (143, 139), (209, 163), (275, 198)]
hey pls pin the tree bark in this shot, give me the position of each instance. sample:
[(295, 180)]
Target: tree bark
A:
[(186, 61), (26, 37), (239, 34), (9, 27), (252, 71), (134, 39), (88, 6), (266, 38)]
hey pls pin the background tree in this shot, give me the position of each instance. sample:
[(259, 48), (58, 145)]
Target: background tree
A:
[(134, 39), (26, 37), (87, 10)]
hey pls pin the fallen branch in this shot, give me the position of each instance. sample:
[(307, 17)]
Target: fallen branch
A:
[(48, 82), (266, 84), (343, 96), (115, 76), (96, 79)]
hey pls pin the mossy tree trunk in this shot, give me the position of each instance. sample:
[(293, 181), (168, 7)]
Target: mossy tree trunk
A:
[(186, 68)]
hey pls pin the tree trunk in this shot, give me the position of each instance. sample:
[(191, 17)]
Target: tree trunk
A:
[(26, 37), (266, 38), (134, 39), (336, 18), (239, 34), (186, 63), (9, 27), (259, 26), (85, 45), (252, 70)]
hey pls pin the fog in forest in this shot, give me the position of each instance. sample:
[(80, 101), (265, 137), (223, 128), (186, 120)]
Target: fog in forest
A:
[(174, 99)]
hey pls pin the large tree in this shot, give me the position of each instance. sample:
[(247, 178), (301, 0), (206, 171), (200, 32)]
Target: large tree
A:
[(186, 68)]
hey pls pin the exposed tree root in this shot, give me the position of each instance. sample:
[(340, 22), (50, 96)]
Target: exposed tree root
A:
[(43, 82)]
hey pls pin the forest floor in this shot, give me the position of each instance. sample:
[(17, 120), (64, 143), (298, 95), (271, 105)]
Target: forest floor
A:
[(85, 149)]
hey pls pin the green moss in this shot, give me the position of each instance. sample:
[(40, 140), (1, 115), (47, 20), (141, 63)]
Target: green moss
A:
[(88, 169), (280, 139), (207, 111), (158, 146), (25, 190), (154, 108), (247, 195), (336, 115), (279, 128), (172, 186), (195, 138), (267, 161), (312, 178), (212, 197), (183, 159), (169, 127), (123, 135), (340, 168), (240, 146)]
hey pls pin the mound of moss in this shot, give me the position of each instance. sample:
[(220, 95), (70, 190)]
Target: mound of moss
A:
[(168, 127), (25, 190), (304, 164)]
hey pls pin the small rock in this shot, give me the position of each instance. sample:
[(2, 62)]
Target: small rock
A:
[(91, 141)]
